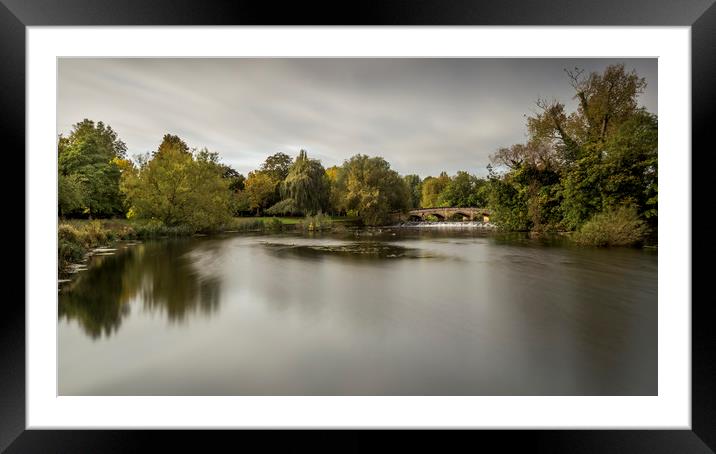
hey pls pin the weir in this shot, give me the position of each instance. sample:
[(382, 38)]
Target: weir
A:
[(445, 214)]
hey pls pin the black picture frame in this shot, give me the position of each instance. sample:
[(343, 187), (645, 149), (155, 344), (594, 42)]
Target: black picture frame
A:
[(700, 15)]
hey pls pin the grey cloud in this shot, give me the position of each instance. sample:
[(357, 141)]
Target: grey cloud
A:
[(422, 115)]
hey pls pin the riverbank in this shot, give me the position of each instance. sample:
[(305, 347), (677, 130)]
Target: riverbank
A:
[(79, 239)]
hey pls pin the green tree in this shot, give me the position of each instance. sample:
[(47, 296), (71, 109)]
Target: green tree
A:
[(86, 164), (415, 185), (70, 196), (534, 193), (431, 189), (576, 165), (240, 202), (506, 202), (463, 190), (373, 189), (179, 188), (236, 180), (277, 165), (307, 185)]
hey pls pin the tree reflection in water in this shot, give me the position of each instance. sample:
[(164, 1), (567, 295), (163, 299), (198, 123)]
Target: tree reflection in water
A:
[(157, 274)]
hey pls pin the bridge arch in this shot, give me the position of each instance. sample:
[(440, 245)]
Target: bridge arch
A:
[(448, 213), (460, 216), (440, 216)]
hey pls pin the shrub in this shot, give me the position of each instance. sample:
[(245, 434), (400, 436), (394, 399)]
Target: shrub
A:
[(70, 245), (613, 227), (245, 224), (273, 224), (286, 207), (316, 223), (155, 228), (68, 252), (95, 234), (68, 233), (126, 232)]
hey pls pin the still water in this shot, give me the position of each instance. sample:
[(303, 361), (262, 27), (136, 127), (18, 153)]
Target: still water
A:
[(395, 313)]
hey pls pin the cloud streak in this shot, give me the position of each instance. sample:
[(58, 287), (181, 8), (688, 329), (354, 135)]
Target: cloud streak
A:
[(422, 115)]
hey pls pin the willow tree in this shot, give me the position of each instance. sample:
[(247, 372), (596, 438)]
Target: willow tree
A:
[(307, 185)]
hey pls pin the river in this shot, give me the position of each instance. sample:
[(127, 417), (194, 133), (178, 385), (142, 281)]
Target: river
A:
[(403, 312)]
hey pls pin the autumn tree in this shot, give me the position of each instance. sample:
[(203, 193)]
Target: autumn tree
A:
[(372, 189), (431, 189), (260, 188), (336, 197), (179, 188), (577, 164)]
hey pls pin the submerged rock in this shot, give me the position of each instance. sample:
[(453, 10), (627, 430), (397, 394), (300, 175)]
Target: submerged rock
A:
[(359, 250)]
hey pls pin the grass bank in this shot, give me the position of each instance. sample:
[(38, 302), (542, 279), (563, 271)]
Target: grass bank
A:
[(76, 237)]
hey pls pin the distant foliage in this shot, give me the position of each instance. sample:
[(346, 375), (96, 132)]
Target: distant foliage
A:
[(415, 187), (431, 189), (277, 166), (463, 190)]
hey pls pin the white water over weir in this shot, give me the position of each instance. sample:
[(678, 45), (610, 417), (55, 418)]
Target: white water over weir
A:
[(448, 225)]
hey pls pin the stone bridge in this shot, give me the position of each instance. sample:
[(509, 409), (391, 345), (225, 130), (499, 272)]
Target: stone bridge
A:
[(447, 214)]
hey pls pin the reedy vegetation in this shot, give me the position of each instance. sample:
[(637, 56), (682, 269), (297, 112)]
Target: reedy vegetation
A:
[(576, 171)]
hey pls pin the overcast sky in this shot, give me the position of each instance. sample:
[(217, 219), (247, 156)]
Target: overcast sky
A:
[(422, 115)]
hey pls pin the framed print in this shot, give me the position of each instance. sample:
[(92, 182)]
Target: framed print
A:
[(365, 221)]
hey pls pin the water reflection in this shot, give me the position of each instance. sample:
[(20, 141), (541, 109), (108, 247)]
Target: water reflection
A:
[(362, 313), (369, 251), (160, 275)]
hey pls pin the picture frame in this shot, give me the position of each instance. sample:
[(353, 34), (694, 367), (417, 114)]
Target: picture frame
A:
[(16, 15)]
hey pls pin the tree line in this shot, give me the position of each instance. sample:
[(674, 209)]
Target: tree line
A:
[(181, 186), (574, 166)]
